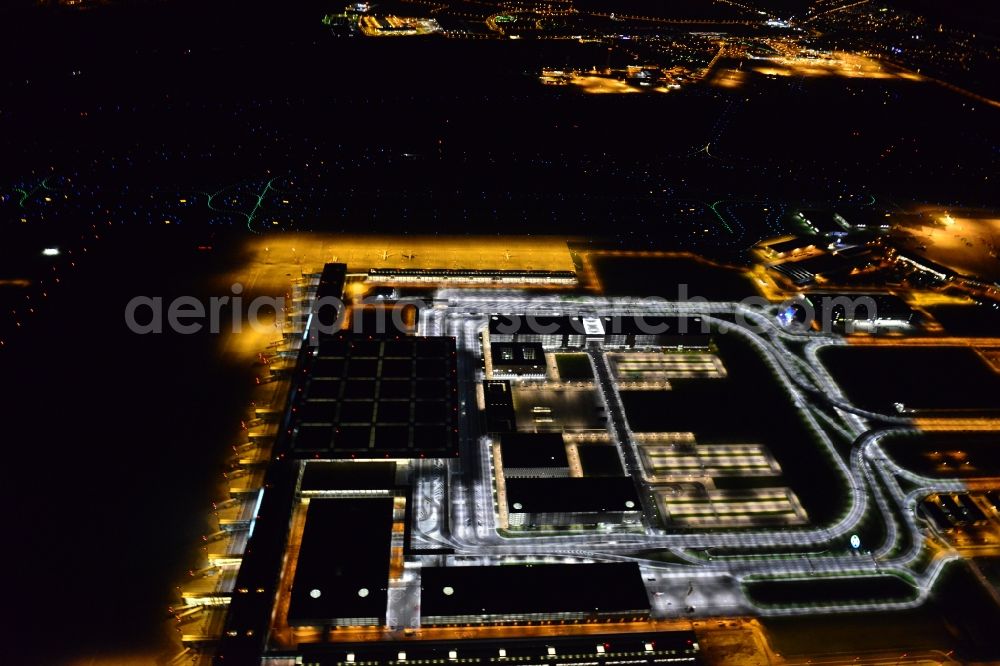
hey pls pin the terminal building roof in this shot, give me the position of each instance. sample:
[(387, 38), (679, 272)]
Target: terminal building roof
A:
[(530, 589), (324, 475)]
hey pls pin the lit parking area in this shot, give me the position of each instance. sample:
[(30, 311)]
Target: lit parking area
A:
[(665, 462)]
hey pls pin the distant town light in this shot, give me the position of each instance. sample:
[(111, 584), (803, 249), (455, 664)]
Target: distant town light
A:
[(51, 252)]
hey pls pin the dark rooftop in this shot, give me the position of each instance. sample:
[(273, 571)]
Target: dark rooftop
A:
[(472, 273), (824, 221), (500, 415), (567, 495), (528, 449), (540, 324), (530, 589), (343, 565), (331, 281), (376, 397), (517, 354)]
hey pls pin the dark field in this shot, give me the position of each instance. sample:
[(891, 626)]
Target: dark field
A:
[(921, 378), (829, 590)]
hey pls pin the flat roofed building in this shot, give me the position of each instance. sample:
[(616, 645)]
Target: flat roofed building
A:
[(552, 332), (790, 246), (364, 397), (521, 359), (826, 266), (529, 454), (342, 572), (471, 276), (561, 502), (823, 222), (348, 479), (327, 304), (532, 593), (600, 460), (593, 327), (637, 331)]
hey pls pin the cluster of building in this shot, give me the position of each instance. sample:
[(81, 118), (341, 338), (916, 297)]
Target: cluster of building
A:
[(574, 332)]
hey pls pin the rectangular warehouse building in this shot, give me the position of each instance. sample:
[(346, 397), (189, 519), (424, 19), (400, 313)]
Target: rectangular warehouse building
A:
[(520, 594), (562, 502), (342, 572)]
